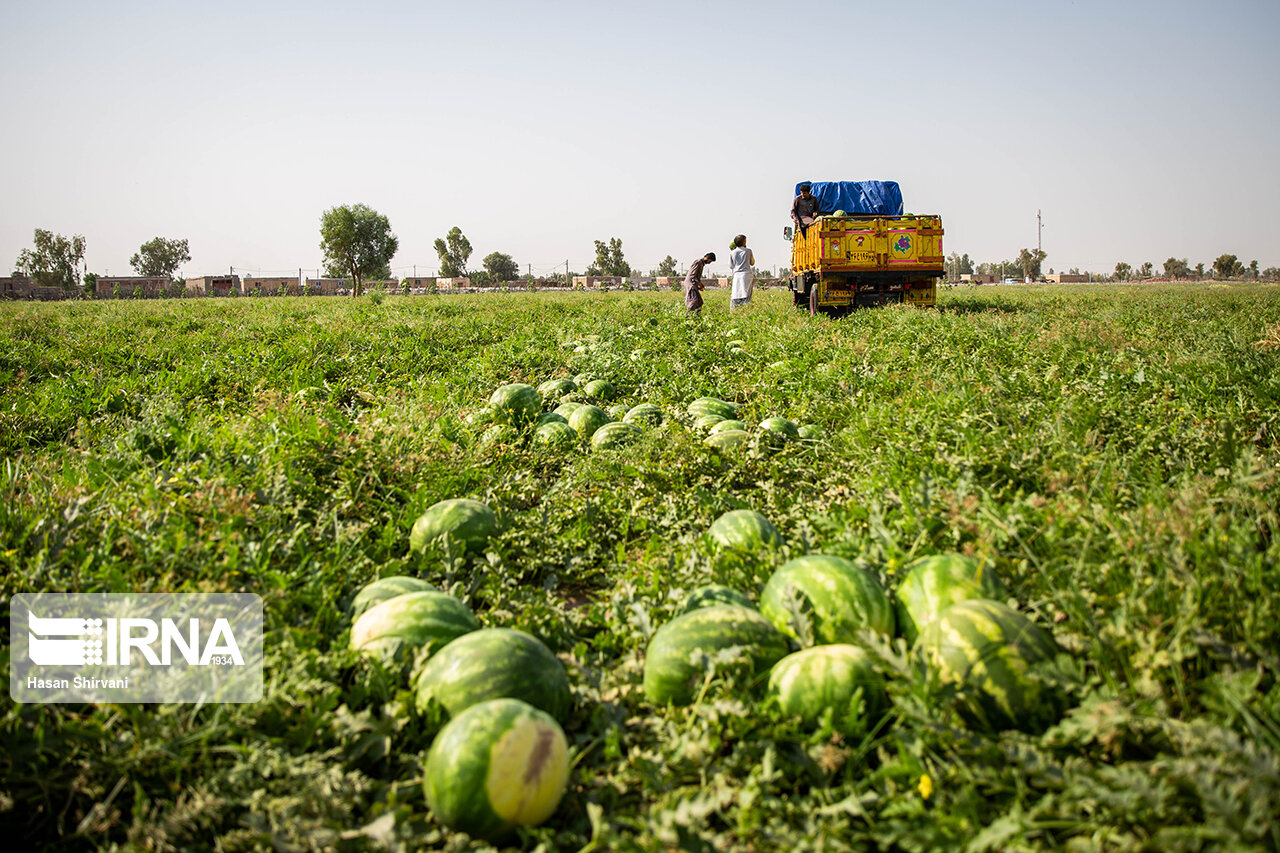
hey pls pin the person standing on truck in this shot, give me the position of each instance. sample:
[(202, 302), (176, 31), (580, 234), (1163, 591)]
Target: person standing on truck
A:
[(741, 261), (804, 209), (693, 282)]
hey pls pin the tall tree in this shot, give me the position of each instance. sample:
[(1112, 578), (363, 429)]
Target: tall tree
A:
[(1029, 262), (1200, 270), (358, 241), (1146, 270), (54, 262), (1226, 266), (1123, 271), (501, 266), (453, 249), (1175, 269), (666, 267), (609, 259), (160, 257), (1253, 269)]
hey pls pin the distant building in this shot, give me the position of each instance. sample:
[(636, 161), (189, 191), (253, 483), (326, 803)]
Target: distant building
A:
[(455, 283), (214, 285), (326, 286), (145, 286), (417, 282), (978, 278), (1067, 278), (16, 286), (274, 286)]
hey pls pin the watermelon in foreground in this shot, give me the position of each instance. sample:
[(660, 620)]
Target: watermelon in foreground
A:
[(416, 621), (516, 404), (465, 522), (383, 589), (585, 420), (933, 584), (709, 596), (820, 677), (745, 530), (494, 663), (993, 651), (834, 595), (497, 765), (613, 435), (673, 671)]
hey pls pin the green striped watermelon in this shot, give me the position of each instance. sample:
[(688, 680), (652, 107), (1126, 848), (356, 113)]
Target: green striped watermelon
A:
[(932, 584), (993, 651), (498, 434), (730, 439), (644, 415), (554, 389), (616, 411), (550, 417), (713, 406), (384, 588), (725, 426), (411, 623), (600, 389), (704, 423), (811, 432), (516, 404), (673, 671), (557, 435), (611, 436), (497, 765), (811, 680), (710, 596), (463, 521), (587, 419), (745, 530), (836, 596), (494, 663), (582, 379), (567, 408)]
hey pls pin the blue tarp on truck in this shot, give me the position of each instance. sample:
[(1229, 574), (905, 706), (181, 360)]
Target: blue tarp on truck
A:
[(879, 198)]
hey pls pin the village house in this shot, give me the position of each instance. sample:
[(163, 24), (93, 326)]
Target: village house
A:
[(129, 286), (214, 285)]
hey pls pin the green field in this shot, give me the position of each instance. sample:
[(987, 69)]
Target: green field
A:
[(1113, 452)]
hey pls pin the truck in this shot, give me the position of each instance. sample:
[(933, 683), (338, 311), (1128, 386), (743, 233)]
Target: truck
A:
[(862, 250)]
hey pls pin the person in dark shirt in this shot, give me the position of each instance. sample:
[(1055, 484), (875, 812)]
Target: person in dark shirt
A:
[(804, 209), (693, 282)]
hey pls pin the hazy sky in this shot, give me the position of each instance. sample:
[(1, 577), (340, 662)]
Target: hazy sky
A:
[(1143, 130)]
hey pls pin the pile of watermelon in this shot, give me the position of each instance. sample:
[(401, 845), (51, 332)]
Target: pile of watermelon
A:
[(808, 637), (496, 695)]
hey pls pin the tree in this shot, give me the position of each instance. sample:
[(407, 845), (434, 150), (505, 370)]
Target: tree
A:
[(453, 249), (357, 241), (55, 260), (160, 257), (666, 267), (1253, 269), (501, 266), (1146, 270), (1200, 270), (1174, 268), (1029, 262), (1224, 266), (609, 259), (1123, 271)]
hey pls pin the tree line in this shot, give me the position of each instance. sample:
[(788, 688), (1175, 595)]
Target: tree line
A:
[(1028, 264)]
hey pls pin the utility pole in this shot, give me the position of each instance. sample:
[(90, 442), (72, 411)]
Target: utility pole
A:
[(1039, 228)]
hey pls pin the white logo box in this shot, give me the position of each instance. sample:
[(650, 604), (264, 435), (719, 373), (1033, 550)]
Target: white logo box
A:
[(135, 647)]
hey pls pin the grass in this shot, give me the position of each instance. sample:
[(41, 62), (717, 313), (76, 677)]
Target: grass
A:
[(1112, 451)]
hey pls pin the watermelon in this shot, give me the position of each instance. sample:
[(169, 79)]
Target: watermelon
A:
[(713, 406), (384, 588), (811, 680), (673, 672), (582, 379), (567, 408), (556, 434), (745, 530), (725, 426), (498, 434), (494, 663), (643, 415), (477, 418), (613, 435), (516, 404), (616, 411), (992, 650), (550, 417), (497, 765), (600, 389), (412, 622), (811, 432), (465, 522), (709, 596), (780, 429), (842, 599), (705, 422), (587, 419), (554, 389), (727, 440), (932, 584)]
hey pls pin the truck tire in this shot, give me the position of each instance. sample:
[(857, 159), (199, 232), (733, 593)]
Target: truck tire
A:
[(813, 300)]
